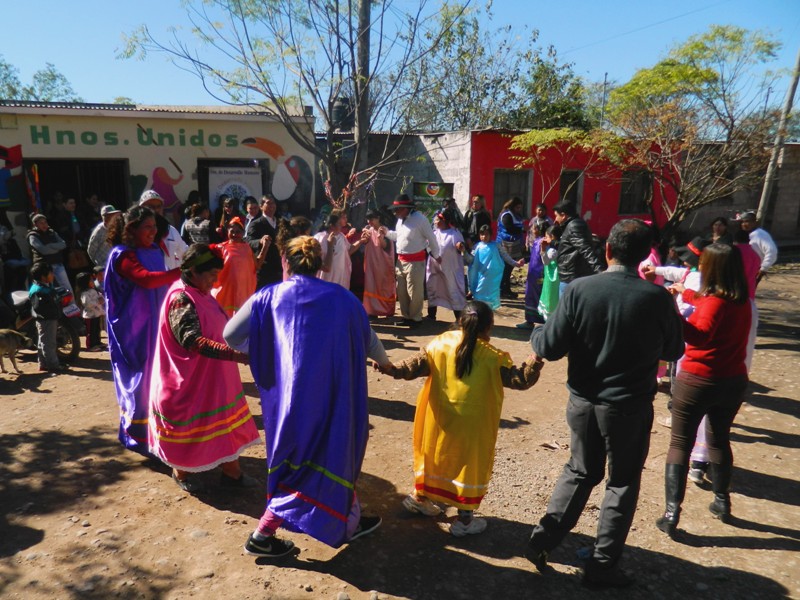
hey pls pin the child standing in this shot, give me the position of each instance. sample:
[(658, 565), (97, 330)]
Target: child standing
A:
[(487, 264), (92, 305), (46, 309), (458, 415), (548, 299), (534, 280)]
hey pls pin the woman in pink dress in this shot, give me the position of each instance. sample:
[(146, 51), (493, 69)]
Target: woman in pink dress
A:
[(380, 285), (199, 417)]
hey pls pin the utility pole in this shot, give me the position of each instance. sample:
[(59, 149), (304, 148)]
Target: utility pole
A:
[(769, 178), (362, 84)]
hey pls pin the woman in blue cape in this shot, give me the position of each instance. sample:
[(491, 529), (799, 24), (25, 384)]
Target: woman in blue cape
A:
[(313, 389), (136, 282)]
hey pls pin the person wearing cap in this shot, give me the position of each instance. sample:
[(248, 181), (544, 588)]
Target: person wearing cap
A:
[(687, 275), (760, 240), (414, 239), (99, 247), (47, 246), (171, 242)]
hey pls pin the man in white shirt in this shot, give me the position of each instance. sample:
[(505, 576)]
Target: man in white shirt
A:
[(760, 241), (172, 244), (414, 238)]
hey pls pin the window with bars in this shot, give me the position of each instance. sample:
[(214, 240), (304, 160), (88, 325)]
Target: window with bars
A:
[(635, 192), (509, 183)]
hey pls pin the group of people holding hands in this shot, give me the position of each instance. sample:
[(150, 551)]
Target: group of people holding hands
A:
[(268, 294)]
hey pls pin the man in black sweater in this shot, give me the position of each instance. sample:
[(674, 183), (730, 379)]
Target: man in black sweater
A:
[(615, 327)]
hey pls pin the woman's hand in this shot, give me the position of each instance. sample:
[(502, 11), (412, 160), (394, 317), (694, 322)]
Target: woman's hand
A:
[(676, 288), (649, 272), (460, 247), (331, 237)]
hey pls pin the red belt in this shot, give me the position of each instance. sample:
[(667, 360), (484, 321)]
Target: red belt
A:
[(415, 257)]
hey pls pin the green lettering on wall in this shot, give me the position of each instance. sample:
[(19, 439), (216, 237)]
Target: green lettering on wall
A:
[(64, 136), (89, 138), (40, 134)]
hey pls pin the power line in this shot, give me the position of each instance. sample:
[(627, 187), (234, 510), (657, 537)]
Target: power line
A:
[(619, 35)]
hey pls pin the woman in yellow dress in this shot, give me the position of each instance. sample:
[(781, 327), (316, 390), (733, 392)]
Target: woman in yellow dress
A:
[(458, 415)]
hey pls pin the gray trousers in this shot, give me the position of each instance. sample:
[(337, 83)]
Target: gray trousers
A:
[(620, 434), (411, 289), (48, 344)]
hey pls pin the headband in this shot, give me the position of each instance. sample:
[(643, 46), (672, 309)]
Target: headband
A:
[(198, 260)]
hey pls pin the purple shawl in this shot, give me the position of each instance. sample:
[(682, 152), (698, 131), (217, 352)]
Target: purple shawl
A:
[(308, 345), (132, 318)]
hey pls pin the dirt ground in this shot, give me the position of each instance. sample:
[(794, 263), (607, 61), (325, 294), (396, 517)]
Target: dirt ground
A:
[(82, 518)]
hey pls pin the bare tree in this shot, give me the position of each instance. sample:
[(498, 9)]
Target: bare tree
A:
[(336, 56)]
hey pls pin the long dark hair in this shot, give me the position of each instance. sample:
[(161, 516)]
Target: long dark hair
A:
[(722, 273), (122, 229), (296, 226), (476, 318)]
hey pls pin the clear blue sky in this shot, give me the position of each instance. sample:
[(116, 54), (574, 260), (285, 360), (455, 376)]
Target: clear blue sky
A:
[(617, 37)]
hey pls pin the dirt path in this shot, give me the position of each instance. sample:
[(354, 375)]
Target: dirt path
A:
[(82, 518)]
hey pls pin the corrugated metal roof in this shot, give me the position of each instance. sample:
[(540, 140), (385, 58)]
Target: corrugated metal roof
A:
[(162, 108)]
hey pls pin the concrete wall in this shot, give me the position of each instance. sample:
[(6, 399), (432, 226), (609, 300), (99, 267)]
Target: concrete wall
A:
[(783, 217), (440, 157)]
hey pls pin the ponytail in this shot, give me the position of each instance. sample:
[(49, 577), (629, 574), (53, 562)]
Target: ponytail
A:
[(476, 318)]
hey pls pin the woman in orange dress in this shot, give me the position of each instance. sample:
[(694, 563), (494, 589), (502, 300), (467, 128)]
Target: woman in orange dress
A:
[(237, 279)]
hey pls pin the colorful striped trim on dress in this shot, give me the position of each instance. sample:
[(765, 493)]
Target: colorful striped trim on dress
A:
[(202, 415), (381, 298), (301, 496), (315, 467), (428, 491), (167, 436)]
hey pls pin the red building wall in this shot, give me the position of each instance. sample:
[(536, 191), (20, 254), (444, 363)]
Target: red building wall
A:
[(599, 197)]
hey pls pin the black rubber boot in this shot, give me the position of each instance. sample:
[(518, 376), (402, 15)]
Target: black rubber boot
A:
[(675, 490), (721, 484)]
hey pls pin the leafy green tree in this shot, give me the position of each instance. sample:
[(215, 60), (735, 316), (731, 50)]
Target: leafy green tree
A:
[(477, 77), (50, 85), (281, 55), (47, 85), (551, 95), (10, 85), (696, 120)]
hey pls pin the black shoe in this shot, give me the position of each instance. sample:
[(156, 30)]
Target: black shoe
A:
[(366, 525), (189, 484), (244, 481), (410, 323), (598, 578), (524, 325), (537, 557), (272, 547)]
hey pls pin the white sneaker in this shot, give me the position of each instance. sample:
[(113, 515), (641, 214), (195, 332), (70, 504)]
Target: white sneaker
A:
[(477, 525), (697, 476), (423, 506)]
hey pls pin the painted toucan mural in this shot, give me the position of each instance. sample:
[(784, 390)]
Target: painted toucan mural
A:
[(292, 180)]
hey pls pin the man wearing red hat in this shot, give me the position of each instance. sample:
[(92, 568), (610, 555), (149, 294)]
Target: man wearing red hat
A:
[(414, 238)]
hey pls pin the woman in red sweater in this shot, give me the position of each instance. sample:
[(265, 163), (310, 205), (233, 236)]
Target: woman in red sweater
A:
[(135, 285), (712, 380)]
